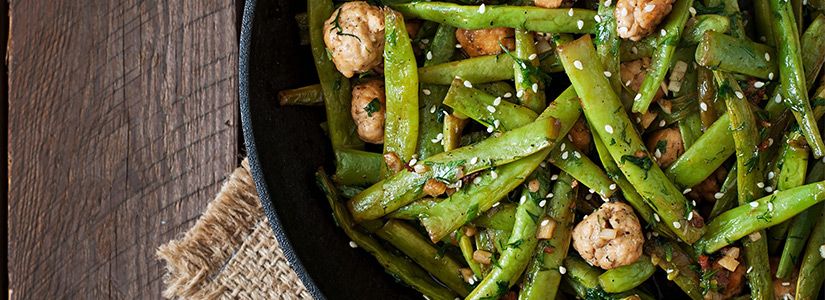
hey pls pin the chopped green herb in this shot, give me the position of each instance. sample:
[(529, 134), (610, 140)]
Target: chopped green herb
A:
[(373, 106)]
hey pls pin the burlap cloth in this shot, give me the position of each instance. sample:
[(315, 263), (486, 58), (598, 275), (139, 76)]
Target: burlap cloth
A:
[(231, 252)]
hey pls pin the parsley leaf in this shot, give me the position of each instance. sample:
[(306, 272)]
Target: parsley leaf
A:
[(373, 106)]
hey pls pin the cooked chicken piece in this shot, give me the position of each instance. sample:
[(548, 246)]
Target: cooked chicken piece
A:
[(638, 18), (580, 135), (610, 237), (485, 41), (554, 3), (368, 110), (706, 189), (783, 288), (723, 284), (354, 35), (666, 145)]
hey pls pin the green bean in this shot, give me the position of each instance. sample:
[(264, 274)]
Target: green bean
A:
[(440, 50), (466, 204), (478, 70), (579, 271), (336, 88), (699, 25), (311, 95), (718, 51), (605, 112), (800, 226), (410, 242), (627, 277), (749, 176), (476, 105), (763, 20), (672, 31), (348, 191), (501, 217), (356, 167), (515, 256), (706, 90), (453, 127), (678, 265), (742, 220), (465, 243), (792, 75), (608, 43), (544, 272), (529, 18), (406, 186), (414, 210), (708, 153), (400, 267), (813, 49), (690, 126), (630, 50), (529, 86), (810, 273), (502, 89), (401, 84), (630, 195)]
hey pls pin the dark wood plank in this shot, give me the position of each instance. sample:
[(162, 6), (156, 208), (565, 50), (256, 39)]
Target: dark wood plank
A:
[(122, 121)]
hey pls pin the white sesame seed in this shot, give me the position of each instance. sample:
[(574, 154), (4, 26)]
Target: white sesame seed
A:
[(563, 145), (739, 95), (657, 153), (491, 109), (490, 129), (532, 56), (591, 191), (693, 202), (496, 204), (576, 154), (822, 251), (468, 84), (522, 199), (588, 197), (767, 56), (612, 186), (413, 161), (508, 95), (597, 18), (638, 120), (432, 109), (477, 180), (570, 12), (778, 98), (549, 195), (692, 11), (545, 222), (427, 92), (608, 128), (493, 174), (770, 76), (771, 175), (497, 101), (718, 195), (786, 283), (542, 203), (662, 123), (608, 2), (703, 106), (638, 96), (520, 93), (425, 41), (770, 206), (496, 123), (677, 225), (669, 271), (690, 216), (580, 24), (474, 160), (758, 84), (458, 46), (437, 138), (535, 88), (353, 245), (607, 74), (760, 184), (754, 204), (564, 155), (578, 65), (649, 7), (656, 217), (429, 55), (482, 8), (749, 270), (687, 190), (768, 189), (562, 270), (663, 32), (554, 177)]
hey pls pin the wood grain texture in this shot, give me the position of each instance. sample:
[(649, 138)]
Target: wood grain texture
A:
[(122, 126)]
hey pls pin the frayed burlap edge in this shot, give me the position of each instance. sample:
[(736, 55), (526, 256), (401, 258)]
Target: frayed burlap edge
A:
[(231, 252)]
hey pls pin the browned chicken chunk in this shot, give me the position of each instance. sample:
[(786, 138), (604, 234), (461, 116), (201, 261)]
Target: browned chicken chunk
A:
[(666, 145), (610, 237), (638, 18), (354, 35), (485, 41), (368, 110)]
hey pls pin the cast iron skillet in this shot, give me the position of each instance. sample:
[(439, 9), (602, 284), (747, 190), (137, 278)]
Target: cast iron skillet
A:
[(285, 146)]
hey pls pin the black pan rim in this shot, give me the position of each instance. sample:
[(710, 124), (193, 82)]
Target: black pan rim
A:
[(252, 153)]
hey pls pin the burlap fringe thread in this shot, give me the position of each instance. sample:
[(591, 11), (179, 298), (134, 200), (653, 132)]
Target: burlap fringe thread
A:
[(231, 252)]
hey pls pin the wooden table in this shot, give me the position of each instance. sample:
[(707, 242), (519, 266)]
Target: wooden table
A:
[(123, 122)]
